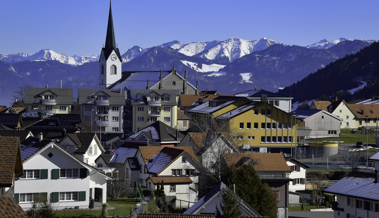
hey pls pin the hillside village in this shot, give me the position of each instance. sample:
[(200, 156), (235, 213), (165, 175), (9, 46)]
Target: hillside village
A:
[(148, 132)]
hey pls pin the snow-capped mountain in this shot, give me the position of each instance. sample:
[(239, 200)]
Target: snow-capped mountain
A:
[(47, 55), (132, 53), (325, 44)]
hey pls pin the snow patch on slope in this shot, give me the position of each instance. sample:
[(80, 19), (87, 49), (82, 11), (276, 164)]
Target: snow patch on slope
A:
[(246, 78), (204, 68), (325, 44), (363, 84)]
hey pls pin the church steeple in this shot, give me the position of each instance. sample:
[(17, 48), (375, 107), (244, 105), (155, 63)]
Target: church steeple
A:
[(110, 62)]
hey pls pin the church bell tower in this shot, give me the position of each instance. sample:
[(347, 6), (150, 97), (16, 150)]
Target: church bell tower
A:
[(110, 62)]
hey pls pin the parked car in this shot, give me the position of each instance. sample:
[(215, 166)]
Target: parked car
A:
[(359, 144)]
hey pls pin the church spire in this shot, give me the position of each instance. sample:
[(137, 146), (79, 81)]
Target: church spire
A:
[(110, 41)]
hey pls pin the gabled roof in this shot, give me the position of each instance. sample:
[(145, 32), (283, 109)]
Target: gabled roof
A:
[(22, 135), (297, 161), (268, 94), (163, 159), (198, 138), (303, 114), (34, 95), (54, 123), (123, 153), (30, 148), (321, 105), (10, 120), (375, 156), (10, 160), (88, 96), (217, 191), (355, 187), (262, 161), (138, 80), (221, 102), (10, 208), (182, 116), (106, 158), (159, 132), (365, 111), (83, 141)]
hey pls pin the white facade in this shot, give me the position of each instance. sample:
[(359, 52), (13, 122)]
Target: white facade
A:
[(89, 157), (297, 176), (110, 70), (342, 111), (65, 181), (355, 207)]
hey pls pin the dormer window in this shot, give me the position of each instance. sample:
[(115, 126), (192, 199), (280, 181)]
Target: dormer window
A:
[(156, 98), (167, 98)]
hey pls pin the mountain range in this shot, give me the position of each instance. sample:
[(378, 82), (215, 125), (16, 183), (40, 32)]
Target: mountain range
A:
[(229, 66)]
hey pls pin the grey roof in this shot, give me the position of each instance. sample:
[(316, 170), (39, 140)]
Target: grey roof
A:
[(21, 134), (162, 159), (159, 132), (88, 96), (206, 107), (356, 187), (138, 80), (375, 156), (304, 113), (268, 94), (82, 141), (123, 153), (31, 145), (238, 111), (106, 157), (246, 209), (53, 124), (34, 95), (139, 96)]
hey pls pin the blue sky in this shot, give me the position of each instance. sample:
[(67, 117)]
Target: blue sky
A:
[(78, 26)]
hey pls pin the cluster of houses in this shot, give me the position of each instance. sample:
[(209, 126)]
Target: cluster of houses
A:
[(146, 127)]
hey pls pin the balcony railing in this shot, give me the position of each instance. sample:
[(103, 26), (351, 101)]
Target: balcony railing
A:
[(49, 102), (154, 114), (102, 102), (156, 103), (49, 112), (102, 122), (101, 112), (273, 175)]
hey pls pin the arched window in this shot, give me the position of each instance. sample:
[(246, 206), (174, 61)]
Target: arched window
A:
[(102, 69), (113, 70)]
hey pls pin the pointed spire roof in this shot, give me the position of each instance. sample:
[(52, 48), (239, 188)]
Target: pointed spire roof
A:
[(110, 40)]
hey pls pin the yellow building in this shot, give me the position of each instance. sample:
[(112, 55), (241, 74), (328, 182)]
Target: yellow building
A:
[(366, 115), (253, 125)]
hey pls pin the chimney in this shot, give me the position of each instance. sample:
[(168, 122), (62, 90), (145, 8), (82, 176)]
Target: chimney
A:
[(40, 136), (47, 86), (61, 83), (264, 98), (64, 132)]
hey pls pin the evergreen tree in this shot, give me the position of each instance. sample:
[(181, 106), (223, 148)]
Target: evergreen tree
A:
[(230, 207), (250, 188)]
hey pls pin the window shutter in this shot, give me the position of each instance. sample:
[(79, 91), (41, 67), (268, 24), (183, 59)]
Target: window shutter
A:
[(294, 182), (83, 173), (55, 174), (298, 168), (43, 196), (17, 197), (356, 203), (44, 174), (54, 197), (82, 196), (302, 181), (291, 168)]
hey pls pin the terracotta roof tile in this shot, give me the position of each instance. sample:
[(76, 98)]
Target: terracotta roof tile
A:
[(8, 158), (182, 116), (321, 105), (198, 138), (171, 179), (10, 208), (363, 111), (265, 161)]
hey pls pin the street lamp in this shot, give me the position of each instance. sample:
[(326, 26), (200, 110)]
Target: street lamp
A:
[(366, 143)]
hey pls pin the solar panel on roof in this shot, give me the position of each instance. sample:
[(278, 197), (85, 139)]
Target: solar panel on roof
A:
[(25, 115), (35, 114)]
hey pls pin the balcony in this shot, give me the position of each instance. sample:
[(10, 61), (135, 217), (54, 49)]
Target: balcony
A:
[(101, 112), (102, 102), (49, 102), (49, 112), (102, 122), (273, 175), (154, 114), (155, 103)]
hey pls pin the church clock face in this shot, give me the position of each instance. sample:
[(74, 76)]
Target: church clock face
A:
[(113, 57)]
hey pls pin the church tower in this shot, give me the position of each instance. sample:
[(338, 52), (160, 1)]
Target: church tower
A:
[(110, 62)]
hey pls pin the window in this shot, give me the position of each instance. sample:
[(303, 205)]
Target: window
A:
[(280, 125), (322, 117), (263, 125), (251, 137), (274, 125), (239, 137), (248, 125), (113, 70), (140, 108), (184, 159), (263, 111), (347, 123), (167, 119), (340, 111), (115, 108), (49, 108), (255, 125), (99, 165), (62, 108), (360, 122), (190, 172), (69, 173), (167, 109), (332, 132), (285, 139), (30, 197), (156, 98), (241, 125), (297, 181), (68, 196), (176, 172), (347, 116), (31, 174), (140, 119), (153, 119), (114, 118), (256, 112), (115, 129), (268, 112), (268, 125), (279, 139), (34, 107), (172, 188), (166, 98), (273, 138), (359, 204), (90, 150), (367, 120), (102, 128), (276, 103), (263, 139), (268, 139)]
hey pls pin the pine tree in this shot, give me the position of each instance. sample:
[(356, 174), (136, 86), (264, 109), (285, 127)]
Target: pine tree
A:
[(230, 207)]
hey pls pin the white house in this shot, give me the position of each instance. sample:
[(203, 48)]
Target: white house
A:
[(297, 179), (85, 146), (51, 172)]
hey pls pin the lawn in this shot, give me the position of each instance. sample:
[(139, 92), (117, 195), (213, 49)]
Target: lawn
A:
[(122, 208), (348, 138)]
